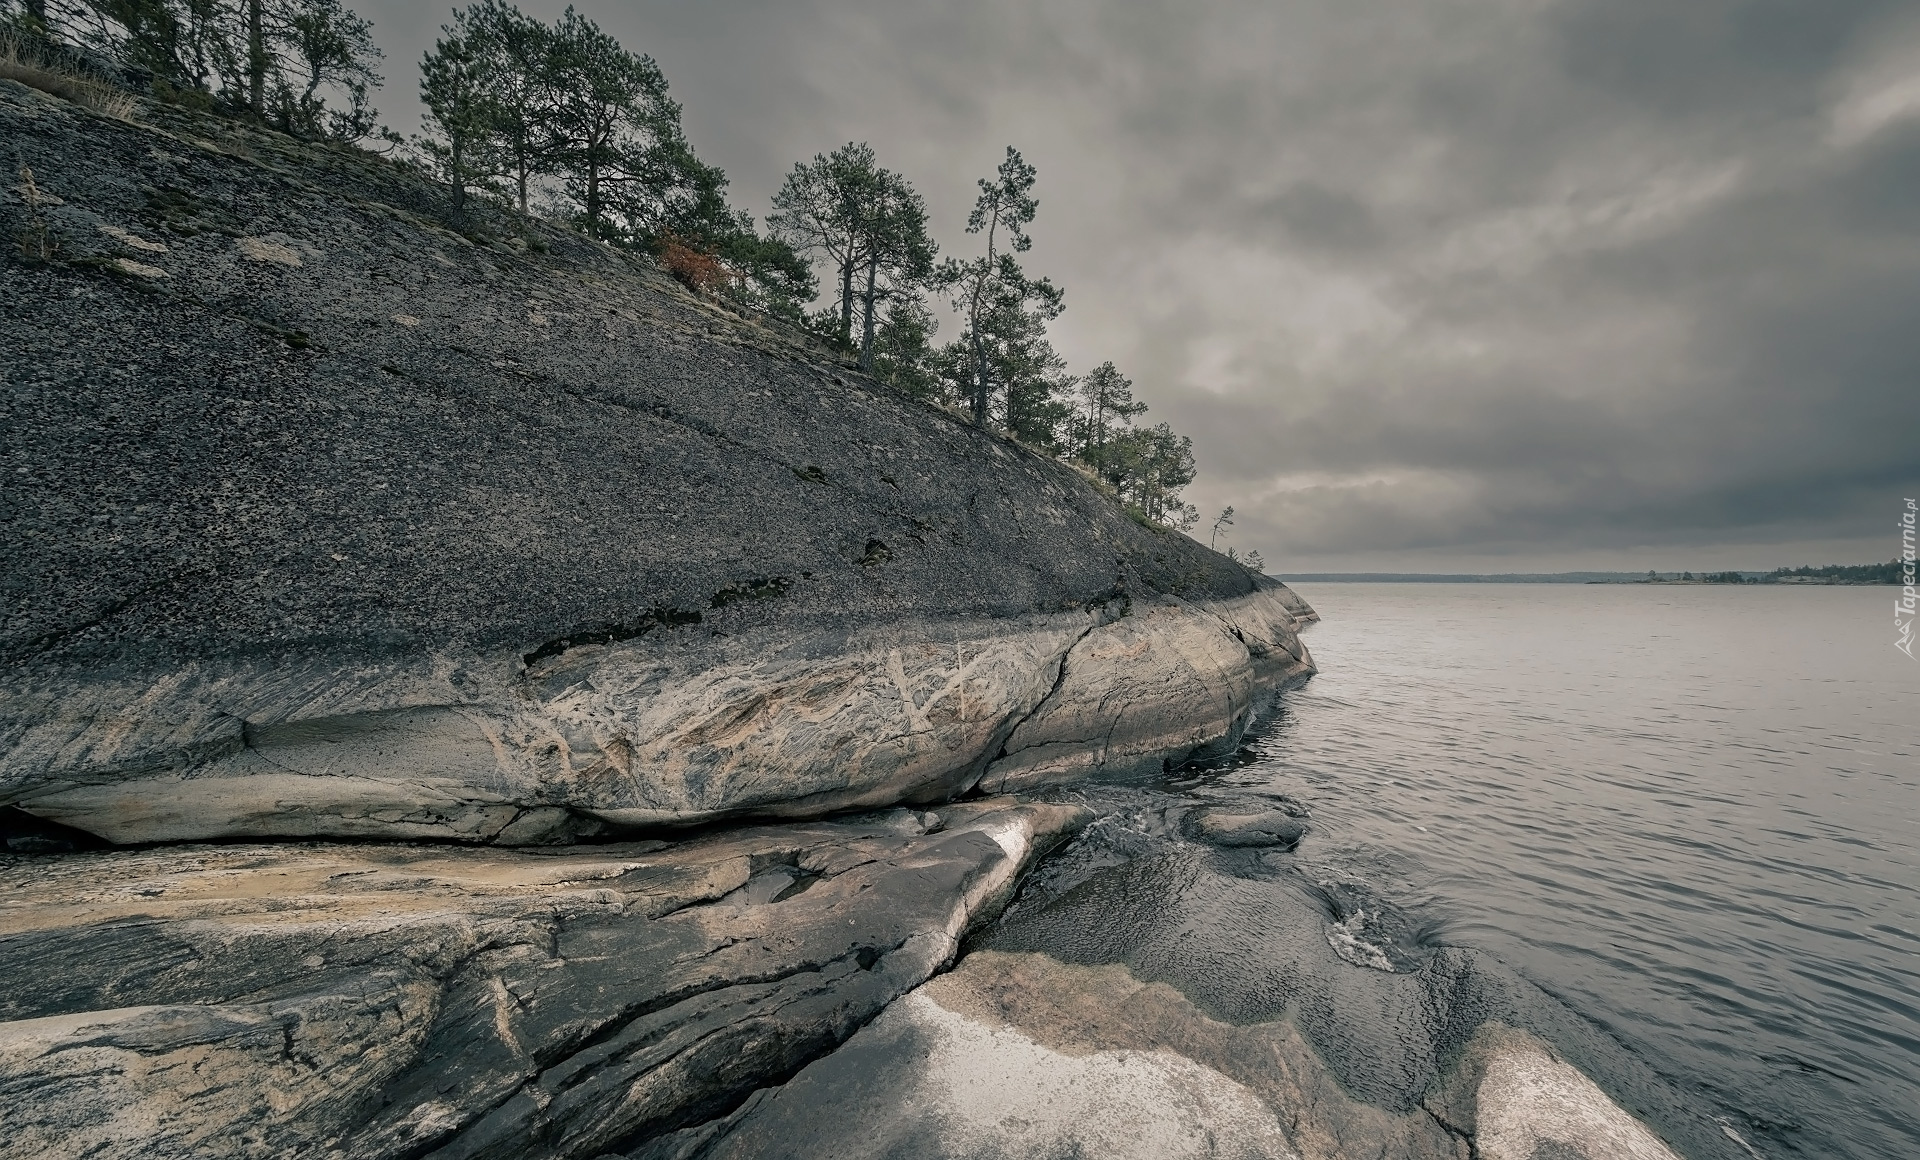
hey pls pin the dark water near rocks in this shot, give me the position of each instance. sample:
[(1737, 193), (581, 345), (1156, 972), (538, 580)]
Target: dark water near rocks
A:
[(1692, 814)]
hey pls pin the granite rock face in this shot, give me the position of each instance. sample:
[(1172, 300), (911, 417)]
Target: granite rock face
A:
[(1014, 1056), (378, 1001), (332, 521)]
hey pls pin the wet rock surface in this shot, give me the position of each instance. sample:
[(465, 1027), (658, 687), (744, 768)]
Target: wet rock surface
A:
[(374, 1001), (1153, 992), (1277, 828), (330, 520)]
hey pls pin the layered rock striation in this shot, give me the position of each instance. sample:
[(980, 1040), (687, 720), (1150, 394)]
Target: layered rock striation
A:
[(372, 1000), (331, 521)]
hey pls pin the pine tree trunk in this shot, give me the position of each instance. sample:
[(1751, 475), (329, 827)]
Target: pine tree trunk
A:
[(846, 298), (593, 199), (256, 59), (459, 176), (1100, 431), (866, 323), (979, 380)]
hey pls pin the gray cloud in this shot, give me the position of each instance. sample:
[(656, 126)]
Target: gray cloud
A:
[(1432, 283)]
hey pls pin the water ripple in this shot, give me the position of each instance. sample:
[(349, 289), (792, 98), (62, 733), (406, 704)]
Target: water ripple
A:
[(1692, 813)]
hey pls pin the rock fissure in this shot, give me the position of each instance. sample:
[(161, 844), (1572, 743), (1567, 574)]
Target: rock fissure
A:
[(610, 1033), (1458, 1133), (1059, 678), (660, 617)]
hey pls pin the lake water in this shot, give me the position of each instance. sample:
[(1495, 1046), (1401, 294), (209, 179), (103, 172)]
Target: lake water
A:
[(1690, 813)]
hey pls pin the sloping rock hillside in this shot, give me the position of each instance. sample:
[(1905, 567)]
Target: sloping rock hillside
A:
[(327, 520)]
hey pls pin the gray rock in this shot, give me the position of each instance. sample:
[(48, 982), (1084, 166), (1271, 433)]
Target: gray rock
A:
[(1268, 828), (1015, 1056), (375, 1001), (352, 525), (1345, 1015)]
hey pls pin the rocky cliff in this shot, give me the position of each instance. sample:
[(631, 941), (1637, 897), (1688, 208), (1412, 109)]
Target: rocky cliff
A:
[(331, 521), (577, 602)]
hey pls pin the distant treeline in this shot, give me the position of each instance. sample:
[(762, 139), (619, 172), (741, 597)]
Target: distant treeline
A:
[(562, 122), (1888, 573)]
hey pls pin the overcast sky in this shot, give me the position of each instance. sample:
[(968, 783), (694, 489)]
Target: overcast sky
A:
[(1435, 285)]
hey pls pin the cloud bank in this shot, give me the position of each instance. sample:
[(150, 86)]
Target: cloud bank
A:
[(1434, 285)]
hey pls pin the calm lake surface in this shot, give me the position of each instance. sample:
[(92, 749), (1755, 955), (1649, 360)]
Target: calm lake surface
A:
[(1691, 813)]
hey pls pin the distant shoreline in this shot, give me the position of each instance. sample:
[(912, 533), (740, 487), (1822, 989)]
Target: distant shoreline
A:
[(1565, 578)]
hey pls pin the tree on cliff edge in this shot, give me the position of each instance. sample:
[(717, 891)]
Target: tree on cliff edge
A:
[(1107, 396), (990, 291), (611, 124), (456, 88), (487, 80), (869, 226), (305, 66)]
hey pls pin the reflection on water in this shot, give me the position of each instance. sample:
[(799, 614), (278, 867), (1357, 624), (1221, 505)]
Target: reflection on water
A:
[(1693, 814)]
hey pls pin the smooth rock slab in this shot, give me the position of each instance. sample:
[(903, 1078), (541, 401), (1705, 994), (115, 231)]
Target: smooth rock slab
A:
[(1522, 1102), (1016, 1056), (374, 1001)]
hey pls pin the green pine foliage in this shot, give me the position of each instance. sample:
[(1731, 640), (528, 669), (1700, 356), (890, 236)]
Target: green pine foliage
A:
[(563, 118), (867, 226), (306, 67)]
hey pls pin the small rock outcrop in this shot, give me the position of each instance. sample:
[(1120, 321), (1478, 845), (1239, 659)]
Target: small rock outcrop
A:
[(1266, 828), (331, 521)]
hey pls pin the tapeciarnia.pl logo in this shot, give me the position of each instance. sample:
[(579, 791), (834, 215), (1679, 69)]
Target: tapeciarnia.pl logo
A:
[(1903, 608)]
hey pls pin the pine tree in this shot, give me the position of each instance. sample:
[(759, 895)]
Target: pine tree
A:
[(512, 54), (456, 85), (332, 46), (985, 289), (283, 61), (903, 352), (1107, 396), (611, 121), (819, 211), (869, 226), (1149, 466), (1223, 520), (899, 253)]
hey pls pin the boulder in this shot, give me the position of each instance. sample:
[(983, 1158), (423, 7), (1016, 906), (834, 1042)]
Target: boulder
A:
[(1267, 828)]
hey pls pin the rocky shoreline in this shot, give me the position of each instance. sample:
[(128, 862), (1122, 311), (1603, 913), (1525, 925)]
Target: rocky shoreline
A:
[(661, 731), (469, 697), (310, 999)]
